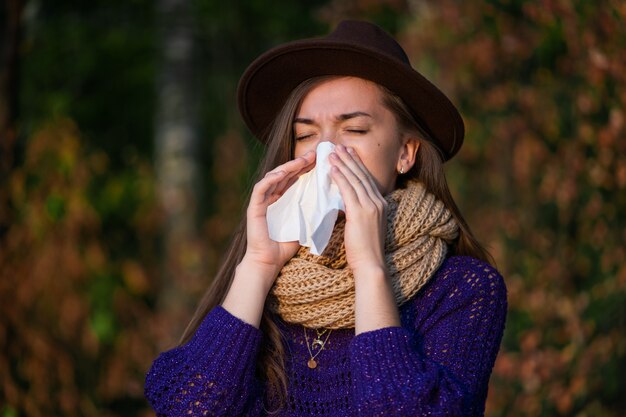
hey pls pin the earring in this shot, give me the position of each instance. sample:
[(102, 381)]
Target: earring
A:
[(401, 170)]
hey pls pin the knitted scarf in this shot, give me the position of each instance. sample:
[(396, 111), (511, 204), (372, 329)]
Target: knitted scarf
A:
[(318, 291)]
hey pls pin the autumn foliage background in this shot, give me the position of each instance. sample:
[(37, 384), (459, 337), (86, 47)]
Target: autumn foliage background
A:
[(94, 283)]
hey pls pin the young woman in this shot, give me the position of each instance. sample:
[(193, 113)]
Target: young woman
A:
[(402, 314)]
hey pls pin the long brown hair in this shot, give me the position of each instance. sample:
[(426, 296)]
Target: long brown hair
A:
[(280, 148)]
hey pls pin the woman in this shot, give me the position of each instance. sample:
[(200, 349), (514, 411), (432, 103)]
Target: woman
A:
[(401, 315)]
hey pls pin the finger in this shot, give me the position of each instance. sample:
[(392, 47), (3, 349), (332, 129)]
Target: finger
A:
[(360, 186), (359, 162), (359, 204), (265, 185), (276, 195), (352, 160), (347, 191), (272, 186), (298, 163), (291, 177), (348, 158)]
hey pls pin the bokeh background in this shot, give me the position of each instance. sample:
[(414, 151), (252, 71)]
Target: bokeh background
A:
[(124, 166)]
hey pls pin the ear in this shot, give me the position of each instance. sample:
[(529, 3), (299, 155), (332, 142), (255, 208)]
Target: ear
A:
[(408, 152)]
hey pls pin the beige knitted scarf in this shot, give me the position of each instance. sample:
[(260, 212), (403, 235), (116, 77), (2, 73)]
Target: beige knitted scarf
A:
[(318, 291)]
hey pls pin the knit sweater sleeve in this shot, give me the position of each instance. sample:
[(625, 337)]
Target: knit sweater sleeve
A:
[(213, 374), (439, 362)]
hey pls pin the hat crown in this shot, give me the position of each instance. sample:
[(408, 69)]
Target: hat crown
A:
[(356, 49), (368, 35)]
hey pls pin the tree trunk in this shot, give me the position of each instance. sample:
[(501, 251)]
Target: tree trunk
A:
[(178, 173)]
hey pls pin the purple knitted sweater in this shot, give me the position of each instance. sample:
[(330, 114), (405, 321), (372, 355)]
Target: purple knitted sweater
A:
[(437, 364)]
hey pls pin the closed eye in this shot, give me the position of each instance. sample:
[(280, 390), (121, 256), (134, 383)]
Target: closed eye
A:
[(304, 136), (358, 131)]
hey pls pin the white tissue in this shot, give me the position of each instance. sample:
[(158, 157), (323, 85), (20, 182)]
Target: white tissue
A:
[(308, 210)]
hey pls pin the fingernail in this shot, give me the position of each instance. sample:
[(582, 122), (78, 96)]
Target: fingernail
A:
[(341, 147), (333, 156), (350, 150)]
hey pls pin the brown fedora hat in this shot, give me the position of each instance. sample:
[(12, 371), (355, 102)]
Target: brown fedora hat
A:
[(355, 48)]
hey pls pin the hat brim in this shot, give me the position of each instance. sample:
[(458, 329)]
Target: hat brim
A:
[(269, 80)]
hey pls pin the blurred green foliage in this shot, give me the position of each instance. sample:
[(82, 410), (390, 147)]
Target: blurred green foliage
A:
[(94, 62), (541, 178)]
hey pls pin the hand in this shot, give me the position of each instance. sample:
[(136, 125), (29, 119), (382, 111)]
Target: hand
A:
[(261, 251), (365, 211), (364, 239)]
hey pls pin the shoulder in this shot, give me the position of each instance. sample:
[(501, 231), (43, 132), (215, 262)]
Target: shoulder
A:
[(469, 274), (461, 283)]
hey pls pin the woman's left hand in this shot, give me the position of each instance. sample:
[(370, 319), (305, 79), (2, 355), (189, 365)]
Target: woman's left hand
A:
[(365, 210), (366, 223)]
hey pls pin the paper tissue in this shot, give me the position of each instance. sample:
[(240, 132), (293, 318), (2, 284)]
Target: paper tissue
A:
[(308, 210)]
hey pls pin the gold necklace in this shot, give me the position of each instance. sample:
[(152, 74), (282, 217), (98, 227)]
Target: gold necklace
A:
[(312, 363)]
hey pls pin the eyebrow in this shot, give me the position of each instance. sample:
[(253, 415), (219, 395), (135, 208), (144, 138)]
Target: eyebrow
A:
[(341, 117)]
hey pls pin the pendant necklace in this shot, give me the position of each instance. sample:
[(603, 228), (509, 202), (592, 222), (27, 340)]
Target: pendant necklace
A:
[(317, 342)]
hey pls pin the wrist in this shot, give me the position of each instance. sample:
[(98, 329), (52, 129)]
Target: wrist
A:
[(246, 296), (375, 304), (368, 272), (259, 275)]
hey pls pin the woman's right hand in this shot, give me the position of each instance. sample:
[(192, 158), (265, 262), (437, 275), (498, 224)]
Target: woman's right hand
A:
[(261, 251), (264, 257)]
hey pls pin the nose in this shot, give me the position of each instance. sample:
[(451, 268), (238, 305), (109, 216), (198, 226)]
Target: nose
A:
[(332, 136)]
